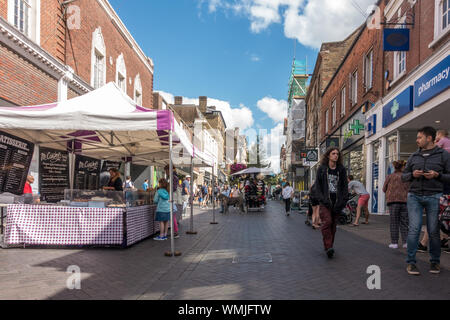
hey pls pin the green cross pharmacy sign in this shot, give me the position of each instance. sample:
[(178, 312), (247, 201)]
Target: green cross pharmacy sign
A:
[(353, 130), (395, 107)]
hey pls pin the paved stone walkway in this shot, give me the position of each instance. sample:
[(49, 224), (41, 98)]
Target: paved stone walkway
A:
[(262, 255)]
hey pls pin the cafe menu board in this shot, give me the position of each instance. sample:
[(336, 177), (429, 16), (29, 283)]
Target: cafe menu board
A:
[(87, 173), (15, 159), (104, 175), (110, 164), (53, 174)]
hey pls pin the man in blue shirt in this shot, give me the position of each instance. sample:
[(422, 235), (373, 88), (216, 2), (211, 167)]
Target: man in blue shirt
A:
[(145, 185)]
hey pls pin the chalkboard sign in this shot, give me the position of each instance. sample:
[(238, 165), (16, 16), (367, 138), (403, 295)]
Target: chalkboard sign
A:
[(87, 173), (15, 159), (110, 164), (53, 174)]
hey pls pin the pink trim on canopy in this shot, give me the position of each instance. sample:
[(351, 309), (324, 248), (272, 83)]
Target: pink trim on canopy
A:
[(41, 107), (165, 120)]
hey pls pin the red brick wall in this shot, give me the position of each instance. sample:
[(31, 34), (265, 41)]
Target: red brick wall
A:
[(71, 94), (368, 40), (22, 83), (421, 35), (4, 9), (52, 29), (79, 45)]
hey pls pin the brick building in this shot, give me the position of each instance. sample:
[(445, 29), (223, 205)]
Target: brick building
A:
[(51, 52), (415, 92), (353, 89), (328, 60)]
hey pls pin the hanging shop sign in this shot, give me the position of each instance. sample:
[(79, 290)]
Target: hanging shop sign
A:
[(398, 107), (309, 154), (353, 130), (53, 174), (328, 143), (371, 125), (432, 83), (396, 39), (87, 173), (15, 160)]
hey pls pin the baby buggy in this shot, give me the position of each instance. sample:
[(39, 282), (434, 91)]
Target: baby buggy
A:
[(295, 205), (347, 214), (444, 214)]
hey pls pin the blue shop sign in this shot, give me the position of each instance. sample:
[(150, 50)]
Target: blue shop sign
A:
[(398, 107), (432, 83), (396, 39), (371, 125)]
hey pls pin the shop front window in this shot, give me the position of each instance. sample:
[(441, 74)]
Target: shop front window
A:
[(407, 144), (353, 161), (391, 152)]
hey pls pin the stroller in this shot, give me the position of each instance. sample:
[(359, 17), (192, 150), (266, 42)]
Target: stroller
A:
[(444, 214), (295, 205), (347, 214)]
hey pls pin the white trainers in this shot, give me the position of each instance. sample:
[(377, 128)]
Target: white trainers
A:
[(393, 246)]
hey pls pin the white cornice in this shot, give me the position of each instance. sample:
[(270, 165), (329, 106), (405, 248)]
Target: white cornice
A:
[(148, 62), (33, 53)]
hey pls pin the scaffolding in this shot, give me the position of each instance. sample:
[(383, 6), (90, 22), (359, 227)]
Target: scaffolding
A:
[(297, 81)]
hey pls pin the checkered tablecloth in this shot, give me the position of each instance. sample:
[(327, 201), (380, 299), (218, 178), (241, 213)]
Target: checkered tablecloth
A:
[(140, 223), (50, 225)]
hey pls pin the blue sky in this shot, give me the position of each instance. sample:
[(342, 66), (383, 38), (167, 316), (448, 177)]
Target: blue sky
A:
[(234, 51)]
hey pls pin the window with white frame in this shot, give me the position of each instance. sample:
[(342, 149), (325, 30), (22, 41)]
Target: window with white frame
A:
[(333, 110), (445, 14), (99, 67), (326, 122), (400, 58), (368, 70), (121, 73), (343, 102), (25, 16), (400, 63), (98, 59), (353, 88), (441, 19), (138, 90)]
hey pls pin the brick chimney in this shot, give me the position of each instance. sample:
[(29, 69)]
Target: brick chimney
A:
[(178, 100), (203, 101), (157, 101)]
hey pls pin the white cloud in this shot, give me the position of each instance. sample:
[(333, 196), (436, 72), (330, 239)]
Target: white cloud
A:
[(275, 109), (241, 117), (311, 22), (255, 58)]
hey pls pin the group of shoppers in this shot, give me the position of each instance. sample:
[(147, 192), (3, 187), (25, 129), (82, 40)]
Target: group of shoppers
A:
[(415, 187)]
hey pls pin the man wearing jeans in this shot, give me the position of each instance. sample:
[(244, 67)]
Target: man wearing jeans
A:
[(427, 170)]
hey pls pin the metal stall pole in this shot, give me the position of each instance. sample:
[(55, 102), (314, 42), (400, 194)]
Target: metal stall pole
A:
[(214, 205), (191, 199), (172, 241)]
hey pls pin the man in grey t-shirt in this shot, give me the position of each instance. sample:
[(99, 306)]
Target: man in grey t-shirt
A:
[(363, 201)]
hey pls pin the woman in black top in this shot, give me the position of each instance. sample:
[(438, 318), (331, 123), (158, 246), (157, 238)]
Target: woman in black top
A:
[(331, 192), (115, 182)]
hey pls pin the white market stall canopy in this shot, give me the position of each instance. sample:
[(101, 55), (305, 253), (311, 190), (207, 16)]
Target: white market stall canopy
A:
[(104, 124), (252, 170)]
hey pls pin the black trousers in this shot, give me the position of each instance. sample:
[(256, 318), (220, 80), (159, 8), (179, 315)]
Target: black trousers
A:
[(288, 204)]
